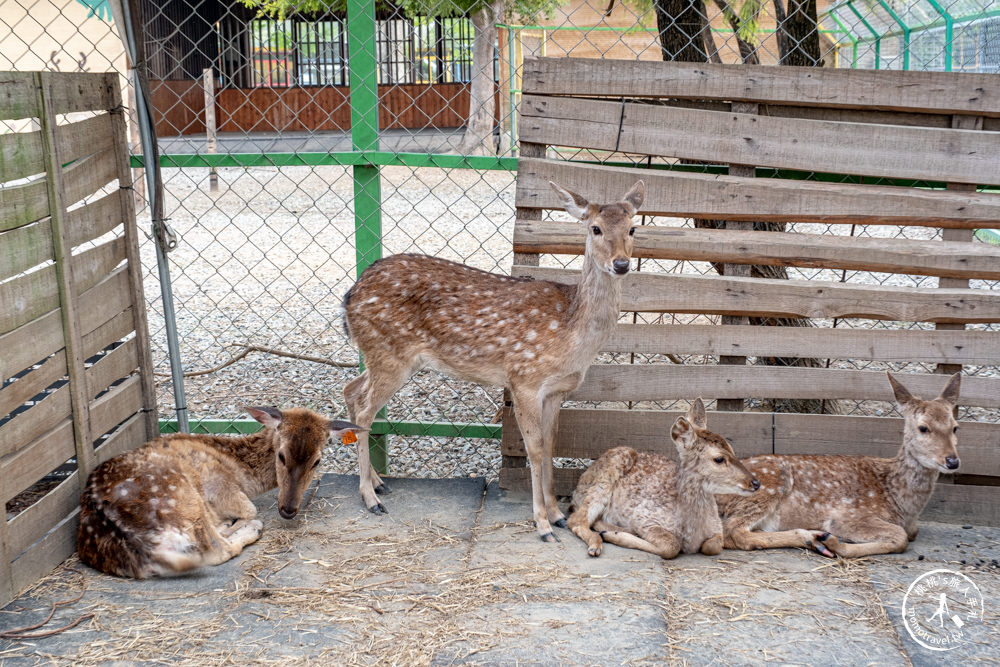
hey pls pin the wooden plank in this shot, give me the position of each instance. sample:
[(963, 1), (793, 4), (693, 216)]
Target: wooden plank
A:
[(721, 197), (964, 503), (30, 296), (978, 442), (29, 464), (23, 204), (924, 92), (43, 336), (88, 175), (587, 433), (20, 155), (909, 256), (96, 218), (663, 292), (31, 525), (655, 382), (43, 557), (128, 436), (890, 151), (84, 137), (117, 405), (72, 92), (519, 479), (17, 95), (117, 364), (899, 345)]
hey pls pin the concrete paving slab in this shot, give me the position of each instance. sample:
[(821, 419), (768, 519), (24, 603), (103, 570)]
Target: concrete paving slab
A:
[(455, 574)]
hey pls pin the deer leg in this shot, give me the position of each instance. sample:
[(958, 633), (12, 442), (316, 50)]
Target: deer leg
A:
[(868, 536), (225, 548), (365, 395), (654, 540), (550, 430), (742, 538), (528, 411)]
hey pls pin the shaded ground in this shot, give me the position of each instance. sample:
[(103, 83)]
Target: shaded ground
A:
[(456, 575)]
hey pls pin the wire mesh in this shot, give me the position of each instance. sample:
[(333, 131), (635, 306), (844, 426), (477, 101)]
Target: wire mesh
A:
[(266, 256)]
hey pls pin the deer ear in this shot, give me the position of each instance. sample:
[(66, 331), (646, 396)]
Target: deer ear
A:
[(339, 428), (903, 397), (635, 195), (270, 417), (682, 433), (950, 391), (696, 414), (575, 205)]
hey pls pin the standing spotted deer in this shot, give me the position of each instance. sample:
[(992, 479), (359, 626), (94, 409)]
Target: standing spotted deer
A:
[(849, 506), (183, 501), (535, 337), (643, 500)]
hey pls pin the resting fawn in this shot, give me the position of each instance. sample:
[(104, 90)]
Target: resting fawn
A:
[(849, 505), (183, 501), (643, 500), (535, 337)]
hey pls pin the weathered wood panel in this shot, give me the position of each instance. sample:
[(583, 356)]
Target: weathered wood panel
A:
[(31, 463), (655, 382), (963, 347), (916, 257), (890, 151), (934, 92), (30, 525), (123, 439), (662, 292), (114, 407), (20, 155), (70, 92), (721, 197), (44, 556), (17, 95)]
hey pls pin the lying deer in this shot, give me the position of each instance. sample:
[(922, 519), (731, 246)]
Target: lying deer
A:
[(183, 501), (849, 505), (535, 337), (643, 500)]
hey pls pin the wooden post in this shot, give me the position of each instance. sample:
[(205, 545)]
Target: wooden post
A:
[(210, 138), (737, 270)]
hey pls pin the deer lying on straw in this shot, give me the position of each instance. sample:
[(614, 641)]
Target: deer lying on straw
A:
[(849, 505), (183, 501), (534, 337), (643, 500)]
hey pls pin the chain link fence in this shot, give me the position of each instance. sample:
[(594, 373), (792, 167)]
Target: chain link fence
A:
[(296, 151)]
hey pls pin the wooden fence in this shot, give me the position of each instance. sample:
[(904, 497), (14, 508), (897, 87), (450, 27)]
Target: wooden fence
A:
[(894, 125), (75, 363)]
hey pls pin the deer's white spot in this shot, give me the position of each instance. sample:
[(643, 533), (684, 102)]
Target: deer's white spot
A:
[(531, 335), (553, 324)]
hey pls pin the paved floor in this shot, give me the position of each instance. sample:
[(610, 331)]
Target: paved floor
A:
[(455, 574)]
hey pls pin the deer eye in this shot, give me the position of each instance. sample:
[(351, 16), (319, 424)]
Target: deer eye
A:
[(631, 232), (281, 457), (924, 429), (316, 463), (954, 430), (596, 230), (719, 459)]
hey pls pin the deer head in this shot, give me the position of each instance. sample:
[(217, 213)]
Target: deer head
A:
[(610, 231), (709, 455), (300, 438), (930, 432)]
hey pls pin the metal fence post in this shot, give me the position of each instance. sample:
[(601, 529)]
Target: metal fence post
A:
[(362, 68)]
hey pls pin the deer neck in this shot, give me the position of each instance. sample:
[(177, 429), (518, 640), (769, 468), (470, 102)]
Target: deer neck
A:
[(697, 508), (594, 309), (251, 459), (909, 484)]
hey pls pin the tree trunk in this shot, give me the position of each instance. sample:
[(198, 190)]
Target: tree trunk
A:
[(478, 139), (748, 53), (680, 24), (798, 33)]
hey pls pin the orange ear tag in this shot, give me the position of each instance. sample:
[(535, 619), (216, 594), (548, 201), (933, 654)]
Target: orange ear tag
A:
[(349, 438)]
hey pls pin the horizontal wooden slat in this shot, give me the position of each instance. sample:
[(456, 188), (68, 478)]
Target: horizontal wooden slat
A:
[(86, 223), (43, 336), (20, 155), (936, 92), (18, 95), (891, 345), (654, 382), (116, 406), (115, 365), (72, 92), (909, 256), (53, 549), (23, 204), (30, 525), (88, 175), (85, 137), (30, 296), (32, 383), (126, 437), (890, 151), (719, 197), (29, 464), (662, 292)]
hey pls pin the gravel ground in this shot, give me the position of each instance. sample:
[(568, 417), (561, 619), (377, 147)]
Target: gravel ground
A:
[(266, 260)]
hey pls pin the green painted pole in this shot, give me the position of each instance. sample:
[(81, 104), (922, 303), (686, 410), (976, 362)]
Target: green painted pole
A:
[(949, 32), (850, 36), (877, 36), (906, 32), (363, 70)]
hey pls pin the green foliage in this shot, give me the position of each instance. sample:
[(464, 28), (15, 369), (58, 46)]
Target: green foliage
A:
[(526, 11)]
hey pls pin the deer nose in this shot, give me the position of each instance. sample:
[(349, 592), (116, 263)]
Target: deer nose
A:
[(952, 462), (287, 513), (621, 266), (755, 484)]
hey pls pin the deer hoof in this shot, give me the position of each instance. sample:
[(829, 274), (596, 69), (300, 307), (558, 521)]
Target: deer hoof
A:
[(561, 523), (378, 508), (594, 552), (383, 489), (549, 537)]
